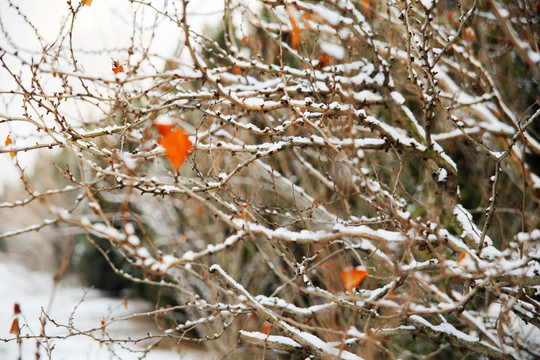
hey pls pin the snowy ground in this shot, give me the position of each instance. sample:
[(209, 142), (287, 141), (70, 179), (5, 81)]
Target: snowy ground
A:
[(32, 291)]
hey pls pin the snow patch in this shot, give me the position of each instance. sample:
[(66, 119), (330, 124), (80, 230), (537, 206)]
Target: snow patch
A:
[(334, 50)]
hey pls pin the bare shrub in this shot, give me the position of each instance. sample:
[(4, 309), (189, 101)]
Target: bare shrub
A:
[(362, 181)]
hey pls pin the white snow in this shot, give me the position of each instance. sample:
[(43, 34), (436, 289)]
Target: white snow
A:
[(167, 261), (468, 263), (443, 175), (334, 50), (188, 255), (107, 231), (322, 345), (33, 290), (427, 4), (536, 180), (367, 95), (134, 240), (338, 231), (331, 16), (469, 227), (398, 98), (143, 253), (534, 56), (282, 304), (504, 13), (271, 338), (445, 328), (164, 120)]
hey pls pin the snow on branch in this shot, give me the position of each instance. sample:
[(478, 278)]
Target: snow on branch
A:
[(360, 177)]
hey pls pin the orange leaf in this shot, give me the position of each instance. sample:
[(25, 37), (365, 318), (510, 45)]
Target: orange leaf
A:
[(466, 261), (352, 277), (328, 265), (164, 129), (199, 209), (125, 304), (462, 256), (325, 58), (7, 142), (236, 70), (266, 328), (116, 67), (316, 203), (295, 34), (305, 20), (324, 61), (294, 17), (245, 39), (469, 34), (16, 308), (177, 147), (15, 329), (87, 2)]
